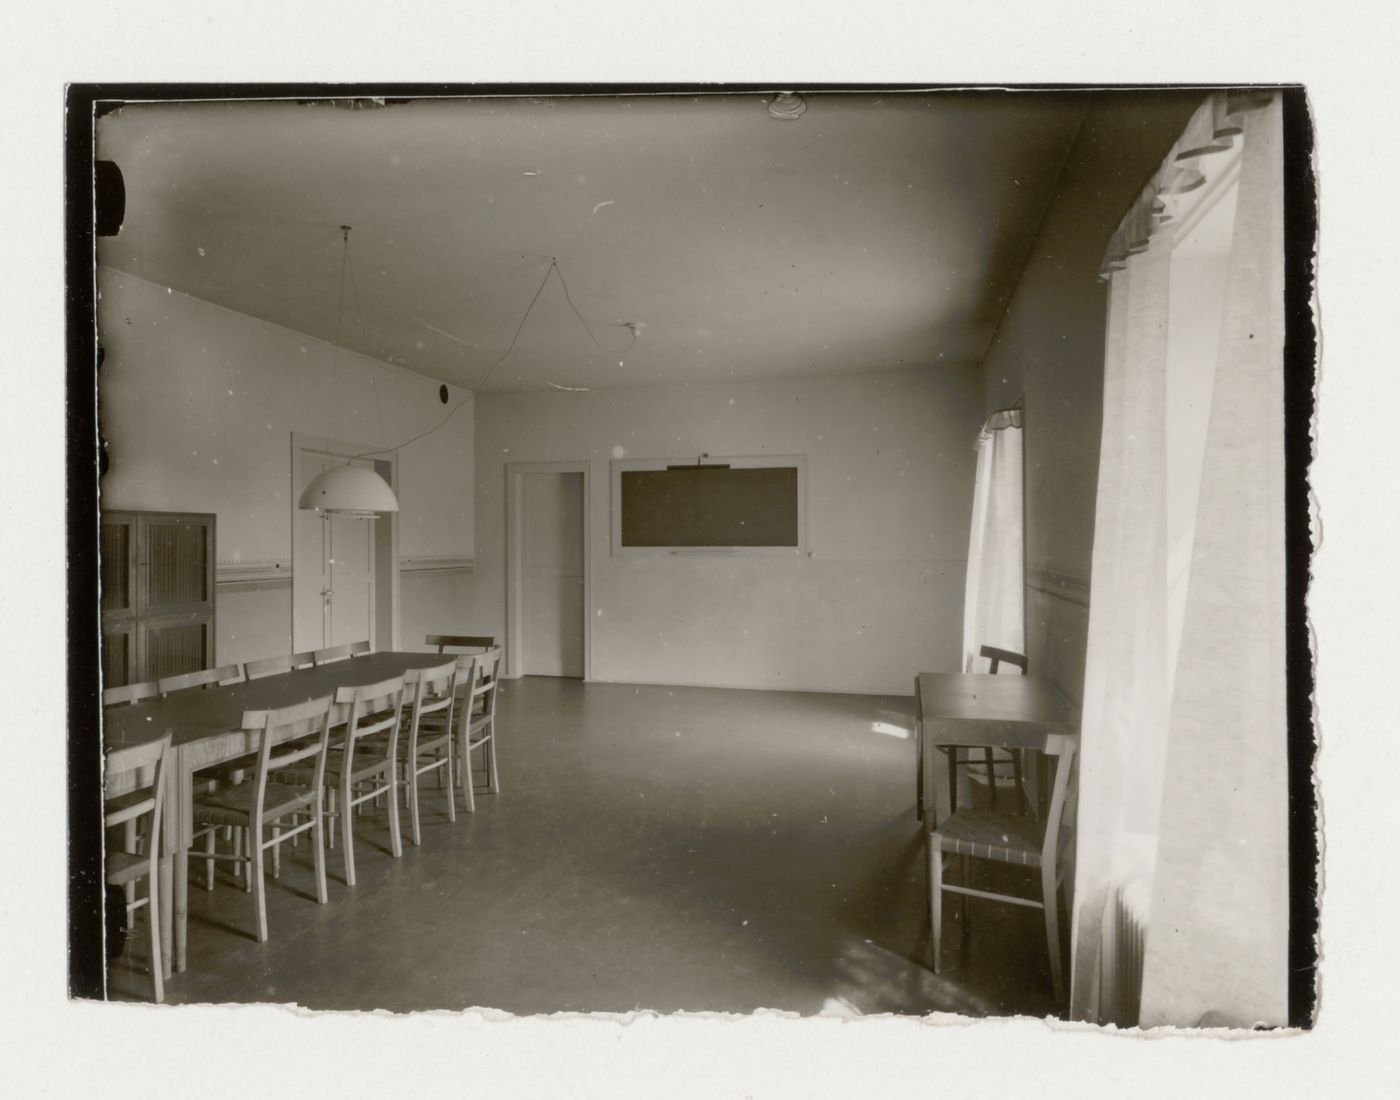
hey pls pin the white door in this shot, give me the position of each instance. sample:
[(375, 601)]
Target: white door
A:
[(333, 571), (552, 592)]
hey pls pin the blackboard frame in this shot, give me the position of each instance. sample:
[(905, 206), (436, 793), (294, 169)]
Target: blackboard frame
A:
[(797, 462)]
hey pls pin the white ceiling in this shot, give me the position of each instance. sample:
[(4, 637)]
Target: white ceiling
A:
[(876, 231)]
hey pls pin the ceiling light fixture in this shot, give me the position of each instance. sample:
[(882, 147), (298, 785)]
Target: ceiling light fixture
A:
[(786, 106), (349, 492)]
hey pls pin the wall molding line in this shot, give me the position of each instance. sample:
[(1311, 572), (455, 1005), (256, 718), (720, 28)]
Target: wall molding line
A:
[(1063, 585), (252, 574), (444, 564)]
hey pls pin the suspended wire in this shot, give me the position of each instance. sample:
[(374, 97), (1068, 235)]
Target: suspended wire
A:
[(553, 269), (524, 317), (554, 266), (339, 318)]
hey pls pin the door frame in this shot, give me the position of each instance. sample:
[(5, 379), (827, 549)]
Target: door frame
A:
[(386, 541), (515, 552)]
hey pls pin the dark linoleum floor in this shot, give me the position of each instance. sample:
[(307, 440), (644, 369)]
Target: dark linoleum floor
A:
[(664, 848)]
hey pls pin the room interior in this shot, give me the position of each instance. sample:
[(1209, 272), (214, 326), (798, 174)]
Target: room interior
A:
[(503, 301)]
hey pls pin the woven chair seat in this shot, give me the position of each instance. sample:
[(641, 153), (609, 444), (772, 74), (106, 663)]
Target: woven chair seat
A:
[(986, 834), (234, 805), (123, 867)]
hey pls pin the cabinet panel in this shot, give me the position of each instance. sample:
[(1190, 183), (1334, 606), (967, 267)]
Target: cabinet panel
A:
[(157, 573), (118, 558), (177, 564), (177, 647), (118, 654)]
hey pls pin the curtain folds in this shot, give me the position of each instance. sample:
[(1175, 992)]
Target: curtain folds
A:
[(1217, 952), (1183, 789), (1212, 129), (994, 607)]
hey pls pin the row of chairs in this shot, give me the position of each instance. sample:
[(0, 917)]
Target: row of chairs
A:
[(397, 731), (233, 673)]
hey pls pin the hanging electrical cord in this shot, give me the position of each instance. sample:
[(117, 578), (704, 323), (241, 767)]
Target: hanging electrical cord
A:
[(553, 269)]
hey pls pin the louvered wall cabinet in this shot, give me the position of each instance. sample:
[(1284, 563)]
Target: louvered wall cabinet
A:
[(157, 594)]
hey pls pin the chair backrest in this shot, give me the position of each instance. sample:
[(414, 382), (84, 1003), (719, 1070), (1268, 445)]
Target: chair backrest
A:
[(374, 708), (482, 684), (335, 653), (150, 797), (474, 642), (209, 677), (129, 693), (431, 691), (272, 666), (287, 736), (1063, 749), (1000, 657)]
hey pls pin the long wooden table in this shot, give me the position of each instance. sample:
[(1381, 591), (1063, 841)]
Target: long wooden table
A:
[(206, 731), (978, 711)]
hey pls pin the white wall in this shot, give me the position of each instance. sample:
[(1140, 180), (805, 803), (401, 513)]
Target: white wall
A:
[(1049, 350), (889, 489), (198, 406)]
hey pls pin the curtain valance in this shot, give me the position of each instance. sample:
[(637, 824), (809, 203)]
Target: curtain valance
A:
[(1212, 129), (998, 422)]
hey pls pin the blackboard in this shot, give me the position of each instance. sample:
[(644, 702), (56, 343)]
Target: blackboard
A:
[(710, 506)]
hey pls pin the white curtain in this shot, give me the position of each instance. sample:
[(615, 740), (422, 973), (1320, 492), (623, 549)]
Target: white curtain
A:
[(994, 607), (1183, 786)]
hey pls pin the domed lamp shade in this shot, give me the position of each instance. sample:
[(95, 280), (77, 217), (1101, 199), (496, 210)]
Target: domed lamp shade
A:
[(353, 492)]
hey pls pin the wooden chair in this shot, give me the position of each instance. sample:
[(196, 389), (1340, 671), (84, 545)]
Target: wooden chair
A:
[(127, 867), (365, 763), (1019, 839), (130, 693), (477, 720), (205, 678), (274, 666), (430, 693), (955, 756), (335, 653), (298, 734), (470, 642)]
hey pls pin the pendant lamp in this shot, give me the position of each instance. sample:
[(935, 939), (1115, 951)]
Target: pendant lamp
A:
[(350, 492)]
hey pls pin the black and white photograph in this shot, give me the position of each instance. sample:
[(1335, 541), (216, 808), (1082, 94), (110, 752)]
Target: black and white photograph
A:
[(723, 551), (751, 549)]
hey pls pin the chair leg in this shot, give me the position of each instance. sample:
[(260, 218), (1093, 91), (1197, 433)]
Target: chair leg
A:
[(491, 748), (935, 886), (347, 834), (209, 863), (953, 779), (967, 883), (468, 781), (445, 781), (129, 844), (330, 833), (395, 833), (318, 847), (411, 783), (1050, 894), (277, 849), (255, 840), (243, 845), (235, 839), (157, 962), (991, 774)]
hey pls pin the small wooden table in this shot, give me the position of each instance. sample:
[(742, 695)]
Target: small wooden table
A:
[(207, 731), (980, 710)]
